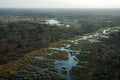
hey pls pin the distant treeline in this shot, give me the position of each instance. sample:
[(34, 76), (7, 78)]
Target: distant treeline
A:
[(58, 11)]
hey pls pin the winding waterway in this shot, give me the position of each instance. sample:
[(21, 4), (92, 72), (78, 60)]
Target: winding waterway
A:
[(65, 66)]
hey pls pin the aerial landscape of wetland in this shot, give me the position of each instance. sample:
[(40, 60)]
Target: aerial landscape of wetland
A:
[(60, 40)]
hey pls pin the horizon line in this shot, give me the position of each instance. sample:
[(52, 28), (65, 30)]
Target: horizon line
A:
[(52, 8)]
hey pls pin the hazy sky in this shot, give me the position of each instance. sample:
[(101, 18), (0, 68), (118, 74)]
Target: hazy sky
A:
[(59, 3)]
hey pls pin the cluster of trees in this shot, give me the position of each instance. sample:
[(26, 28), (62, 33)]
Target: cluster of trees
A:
[(108, 59)]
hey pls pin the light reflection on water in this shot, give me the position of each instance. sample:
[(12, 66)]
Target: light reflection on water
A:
[(67, 64)]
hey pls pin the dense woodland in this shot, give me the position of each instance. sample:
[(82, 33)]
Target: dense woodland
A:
[(21, 37), (107, 62)]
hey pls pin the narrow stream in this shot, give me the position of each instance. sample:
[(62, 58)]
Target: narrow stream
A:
[(66, 66)]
